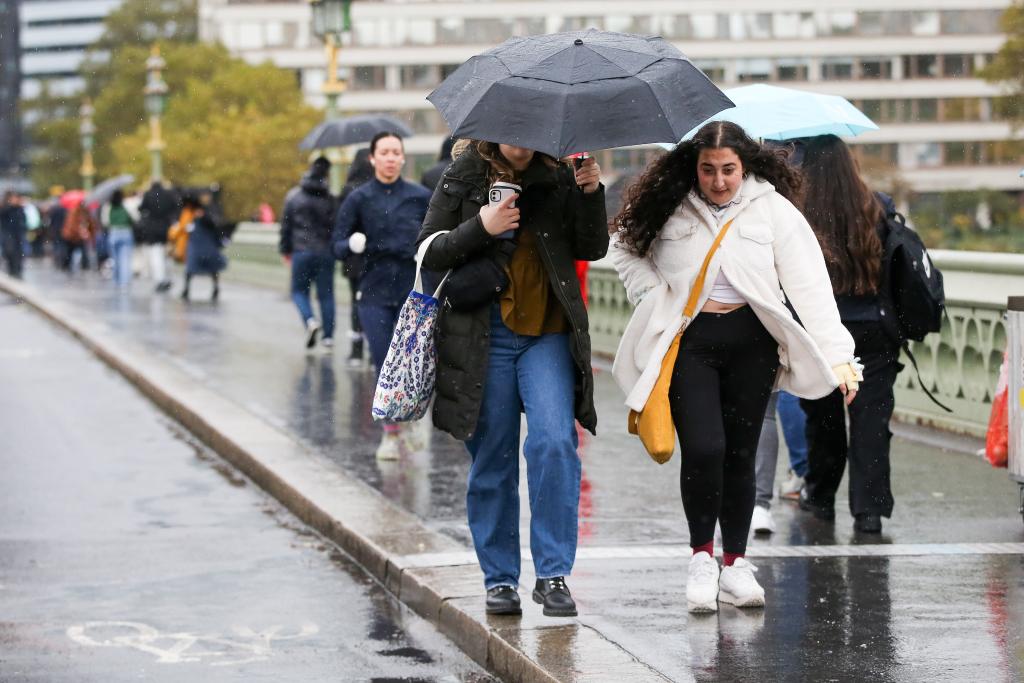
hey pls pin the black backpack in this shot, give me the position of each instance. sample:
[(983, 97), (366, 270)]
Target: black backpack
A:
[(911, 293)]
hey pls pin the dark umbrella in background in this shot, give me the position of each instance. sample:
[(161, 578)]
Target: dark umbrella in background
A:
[(352, 130), (578, 91)]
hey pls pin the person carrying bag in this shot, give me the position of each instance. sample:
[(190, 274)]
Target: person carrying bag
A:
[(743, 342)]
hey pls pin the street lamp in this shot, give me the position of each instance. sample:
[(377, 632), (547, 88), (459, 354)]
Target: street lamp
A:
[(156, 101), (331, 21), (87, 131)]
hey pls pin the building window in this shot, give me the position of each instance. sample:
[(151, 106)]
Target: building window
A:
[(702, 26), (582, 23), (414, 32), (750, 26), (793, 25), (920, 66), (924, 23), (871, 23), (961, 109), (871, 109), (488, 31), (792, 69), (875, 68), (753, 70), (962, 153), (927, 110), (920, 155), (837, 23), (629, 23), (837, 68), (885, 153), (957, 66), (368, 78), (983, 22), (712, 68), (419, 76), (531, 26)]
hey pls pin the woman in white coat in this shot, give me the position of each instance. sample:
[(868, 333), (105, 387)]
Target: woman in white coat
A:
[(743, 342)]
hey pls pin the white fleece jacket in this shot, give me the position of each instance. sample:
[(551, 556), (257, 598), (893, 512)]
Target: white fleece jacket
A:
[(769, 243)]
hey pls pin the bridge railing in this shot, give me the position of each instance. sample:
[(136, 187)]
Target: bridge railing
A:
[(959, 364)]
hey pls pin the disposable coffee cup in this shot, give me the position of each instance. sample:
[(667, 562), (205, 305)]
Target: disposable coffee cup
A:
[(499, 192)]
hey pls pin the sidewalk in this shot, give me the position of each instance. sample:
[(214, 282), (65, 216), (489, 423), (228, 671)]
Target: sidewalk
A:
[(236, 374)]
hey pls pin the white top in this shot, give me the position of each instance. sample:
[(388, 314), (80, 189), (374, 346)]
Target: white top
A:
[(722, 290)]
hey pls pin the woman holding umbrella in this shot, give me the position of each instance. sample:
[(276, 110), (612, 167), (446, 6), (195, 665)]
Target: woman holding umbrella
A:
[(512, 338), (742, 343)]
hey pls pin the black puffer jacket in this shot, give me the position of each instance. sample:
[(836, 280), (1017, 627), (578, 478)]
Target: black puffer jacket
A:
[(569, 226), (308, 217), (159, 208)]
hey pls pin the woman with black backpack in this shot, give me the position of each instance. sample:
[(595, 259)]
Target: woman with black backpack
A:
[(850, 223)]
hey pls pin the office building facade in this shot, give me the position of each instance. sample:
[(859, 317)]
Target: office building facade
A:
[(911, 65), (10, 80)]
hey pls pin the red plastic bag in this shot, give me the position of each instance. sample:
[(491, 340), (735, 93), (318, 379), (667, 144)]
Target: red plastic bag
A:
[(997, 439)]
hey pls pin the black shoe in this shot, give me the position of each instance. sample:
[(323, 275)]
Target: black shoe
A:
[(825, 512), (356, 354), (868, 524), (554, 595), (184, 295), (503, 600), (163, 286), (215, 295)]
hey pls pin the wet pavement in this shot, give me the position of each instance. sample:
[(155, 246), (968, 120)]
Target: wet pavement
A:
[(129, 552), (925, 601)]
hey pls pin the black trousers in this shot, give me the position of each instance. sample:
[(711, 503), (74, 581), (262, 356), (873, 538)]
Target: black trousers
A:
[(868, 447), (722, 380)]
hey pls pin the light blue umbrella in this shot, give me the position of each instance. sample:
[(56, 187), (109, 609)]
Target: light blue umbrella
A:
[(774, 113)]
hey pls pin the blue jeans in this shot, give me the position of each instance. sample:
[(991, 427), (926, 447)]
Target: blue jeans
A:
[(378, 323), (793, 431), (534, 375), (121, 244), (309, 267)]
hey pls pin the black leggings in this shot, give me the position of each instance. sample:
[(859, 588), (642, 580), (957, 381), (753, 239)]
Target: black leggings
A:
[(722, 380)]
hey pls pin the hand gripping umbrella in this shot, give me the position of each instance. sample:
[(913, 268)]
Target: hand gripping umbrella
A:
[(352, 130), (578, 91)]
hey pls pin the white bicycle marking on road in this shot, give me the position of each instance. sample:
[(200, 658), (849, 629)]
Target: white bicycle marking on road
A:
[(244, 646)]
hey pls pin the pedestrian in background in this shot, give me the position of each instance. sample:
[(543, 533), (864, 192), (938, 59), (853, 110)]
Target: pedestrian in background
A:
[(159, 209), (120, 226), (850, 223), (525, 349), (381, 219), (306, 224), (732, 350), (205, 246), (13, 229), (78, 232), (783, 408), (432, 176), (353, 265)]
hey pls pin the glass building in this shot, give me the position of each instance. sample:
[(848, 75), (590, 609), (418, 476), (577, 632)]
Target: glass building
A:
[(908, 64)]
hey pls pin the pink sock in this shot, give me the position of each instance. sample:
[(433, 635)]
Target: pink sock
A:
[(708, 548), (729, 558)]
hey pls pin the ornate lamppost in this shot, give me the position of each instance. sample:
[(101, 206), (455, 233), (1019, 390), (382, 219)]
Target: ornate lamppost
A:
[(156, 101), (87, 131), (331, 21)]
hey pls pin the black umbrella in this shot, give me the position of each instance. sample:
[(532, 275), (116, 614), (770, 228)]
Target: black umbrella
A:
[(352, 130), (578, 91)]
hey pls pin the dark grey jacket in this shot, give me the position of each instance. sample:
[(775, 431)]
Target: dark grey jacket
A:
[(308, 217), (569, 226)]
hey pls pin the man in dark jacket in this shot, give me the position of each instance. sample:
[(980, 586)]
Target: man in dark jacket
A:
[(12, 233), (306, 224), (159, 208)]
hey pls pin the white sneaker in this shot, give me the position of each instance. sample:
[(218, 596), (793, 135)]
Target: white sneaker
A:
[(390, 447), (790, 489), (737, 585), (327, 343), (702, 583), (761, 522), (312, 330)]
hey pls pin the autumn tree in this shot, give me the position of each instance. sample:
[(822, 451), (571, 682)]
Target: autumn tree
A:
[(1008, 66)]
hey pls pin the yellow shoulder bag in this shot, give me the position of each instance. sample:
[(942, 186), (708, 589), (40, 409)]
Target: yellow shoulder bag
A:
[(654, 423)]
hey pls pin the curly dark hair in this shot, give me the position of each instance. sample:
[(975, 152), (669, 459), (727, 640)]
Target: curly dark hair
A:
[(844, 215), (666, 182)]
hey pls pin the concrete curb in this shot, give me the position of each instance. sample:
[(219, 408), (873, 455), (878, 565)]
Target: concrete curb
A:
[(374, 531)]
